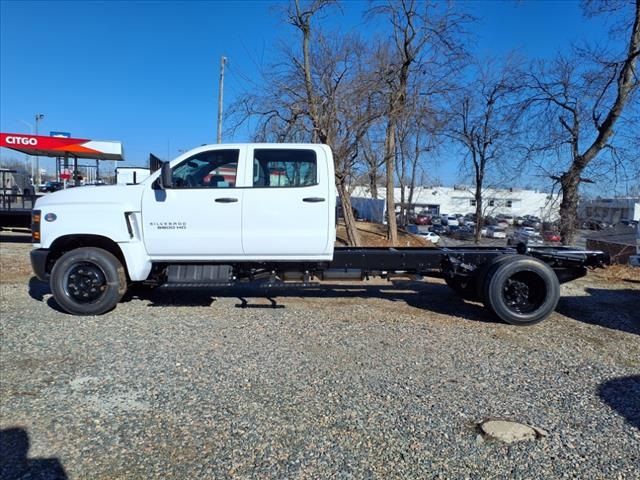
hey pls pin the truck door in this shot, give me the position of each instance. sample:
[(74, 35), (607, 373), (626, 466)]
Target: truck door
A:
[(200, 215), (286, 210)]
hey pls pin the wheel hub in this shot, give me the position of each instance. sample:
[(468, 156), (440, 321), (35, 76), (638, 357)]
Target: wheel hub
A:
[(516, 294), (85, 282)]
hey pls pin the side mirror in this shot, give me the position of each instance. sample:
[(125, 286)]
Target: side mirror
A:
[(165, 180)]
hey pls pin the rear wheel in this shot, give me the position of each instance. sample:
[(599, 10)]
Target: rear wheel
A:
[(88, 281), (521, 290)]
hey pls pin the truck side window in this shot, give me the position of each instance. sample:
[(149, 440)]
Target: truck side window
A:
[(212, 169), (284, 168)]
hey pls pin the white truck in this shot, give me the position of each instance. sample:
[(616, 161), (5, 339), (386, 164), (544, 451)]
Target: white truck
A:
[(222, 215)]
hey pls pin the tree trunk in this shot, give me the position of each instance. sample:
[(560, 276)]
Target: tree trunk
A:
[(373, 181), (478, 197), (569, 205), (389, 154), (403, 206), (414, 166), (353, 238)]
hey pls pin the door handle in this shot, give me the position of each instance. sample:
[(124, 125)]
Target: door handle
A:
[(313, 199), (226, 200)]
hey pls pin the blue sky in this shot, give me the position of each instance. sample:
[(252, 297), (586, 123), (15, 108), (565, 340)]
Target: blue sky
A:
[(146, 73)]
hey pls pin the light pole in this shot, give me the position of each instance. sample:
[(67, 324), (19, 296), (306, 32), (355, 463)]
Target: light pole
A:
[(39, 116), (223, 61)]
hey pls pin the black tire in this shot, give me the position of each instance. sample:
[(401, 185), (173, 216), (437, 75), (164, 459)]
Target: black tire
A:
[(521, 291), (88, 281), (465, 288)]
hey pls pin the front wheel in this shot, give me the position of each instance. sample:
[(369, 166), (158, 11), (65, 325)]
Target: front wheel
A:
[(521, 290), (88, 281)]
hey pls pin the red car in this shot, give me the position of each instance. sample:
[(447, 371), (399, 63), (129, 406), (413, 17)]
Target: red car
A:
[(551, 236), (422, 219)]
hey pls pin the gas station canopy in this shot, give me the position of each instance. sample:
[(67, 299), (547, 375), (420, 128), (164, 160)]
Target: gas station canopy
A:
[(62, 147)]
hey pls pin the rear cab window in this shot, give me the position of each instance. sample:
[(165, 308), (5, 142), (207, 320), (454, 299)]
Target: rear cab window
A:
[(284, 168)]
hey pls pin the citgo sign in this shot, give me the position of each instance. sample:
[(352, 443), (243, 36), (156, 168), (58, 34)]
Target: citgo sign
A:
[(22, 141)]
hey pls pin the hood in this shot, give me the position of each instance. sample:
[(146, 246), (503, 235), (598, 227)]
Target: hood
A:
[(127, 196)]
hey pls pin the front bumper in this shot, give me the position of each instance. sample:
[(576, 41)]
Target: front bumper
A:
[(39, 263)]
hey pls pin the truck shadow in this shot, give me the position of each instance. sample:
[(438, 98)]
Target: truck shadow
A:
[(430, 297), (623, 395), (38, 289), (14, 464), (613, 309)]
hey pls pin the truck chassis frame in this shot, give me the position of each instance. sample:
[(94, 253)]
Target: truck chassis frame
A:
[(519, 285)]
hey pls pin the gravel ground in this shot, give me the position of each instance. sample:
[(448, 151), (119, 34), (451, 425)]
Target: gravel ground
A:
[(351, 381)]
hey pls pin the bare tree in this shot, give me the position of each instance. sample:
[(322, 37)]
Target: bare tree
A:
[(373, 162), (483, 122), (423, 43), (322, 92), (418, 132), (340, 116), (579, 99)]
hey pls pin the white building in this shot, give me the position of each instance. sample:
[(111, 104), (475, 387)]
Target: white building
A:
[(460, 199), (610, 210)]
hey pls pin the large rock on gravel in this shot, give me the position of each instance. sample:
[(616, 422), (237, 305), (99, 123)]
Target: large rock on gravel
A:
[(506, 431)]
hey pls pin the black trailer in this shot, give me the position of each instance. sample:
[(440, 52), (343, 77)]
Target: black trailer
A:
[(519, 285), (15, 210)]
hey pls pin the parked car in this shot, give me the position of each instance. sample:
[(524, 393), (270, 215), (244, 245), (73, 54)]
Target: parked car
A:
[(432, 237), (463, 233), (526, 235), (531, 221), (496, 232), (550, 236), (627, 223), (52, 187), (468, 220), (438, 229), (422, 232), (452, 220), (594, 224), (422, 219), (489, 220)]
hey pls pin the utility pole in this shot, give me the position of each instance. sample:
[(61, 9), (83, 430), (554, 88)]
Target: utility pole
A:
[(39, 116), (223, 61)]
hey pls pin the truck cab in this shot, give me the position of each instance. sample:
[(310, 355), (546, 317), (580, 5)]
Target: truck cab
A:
[(248, 202), (216, 203)]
